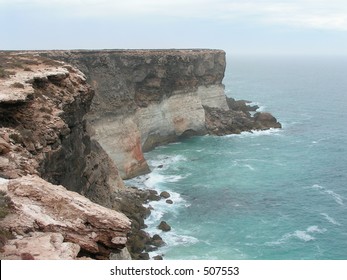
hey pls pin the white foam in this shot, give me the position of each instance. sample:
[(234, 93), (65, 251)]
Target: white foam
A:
[(303, 235), (256, 133), (330, 219), (338, 198), (312, 229), (178, 240), (250, 167), (165, 161)]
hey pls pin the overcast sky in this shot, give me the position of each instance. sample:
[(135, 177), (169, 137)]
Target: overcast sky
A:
[(237, 26)]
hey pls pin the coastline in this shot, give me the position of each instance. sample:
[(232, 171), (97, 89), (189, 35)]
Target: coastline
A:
[(88, 134)]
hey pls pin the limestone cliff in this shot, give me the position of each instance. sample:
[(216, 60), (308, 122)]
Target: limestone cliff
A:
[(145, 98)]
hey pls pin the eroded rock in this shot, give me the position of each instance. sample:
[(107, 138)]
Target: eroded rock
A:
[(60, 220)]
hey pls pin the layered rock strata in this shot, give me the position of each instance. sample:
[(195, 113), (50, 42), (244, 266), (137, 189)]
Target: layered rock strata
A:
[(144, 98)]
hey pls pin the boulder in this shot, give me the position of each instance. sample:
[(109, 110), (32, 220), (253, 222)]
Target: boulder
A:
[(164, 226), (165, 194), (266, 120), (157, 241)]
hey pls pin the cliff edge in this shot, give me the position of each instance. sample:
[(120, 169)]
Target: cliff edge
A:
[(145, 98)]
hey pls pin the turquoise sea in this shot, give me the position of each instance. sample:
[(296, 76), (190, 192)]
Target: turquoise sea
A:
[(277, 194)]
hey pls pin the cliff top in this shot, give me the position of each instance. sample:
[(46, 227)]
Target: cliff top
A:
[(18, 71), (127, 52)]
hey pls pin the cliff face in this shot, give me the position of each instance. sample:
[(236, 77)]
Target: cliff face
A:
[(43, 133), (146, 98)]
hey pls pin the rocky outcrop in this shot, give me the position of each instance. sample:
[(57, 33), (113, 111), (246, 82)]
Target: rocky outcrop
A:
[(43, 133), (145, 98), (240, 117), (50, 222)]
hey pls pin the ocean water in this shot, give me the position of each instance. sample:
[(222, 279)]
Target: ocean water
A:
[(277, 194)]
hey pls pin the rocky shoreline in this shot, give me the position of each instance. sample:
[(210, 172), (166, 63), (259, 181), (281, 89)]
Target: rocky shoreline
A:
[(68, 140)]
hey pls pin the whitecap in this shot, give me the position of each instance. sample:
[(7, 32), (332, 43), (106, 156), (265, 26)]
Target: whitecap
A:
[(250, 167), (330, 219), (312, 229), (338, 198), (303, 235)]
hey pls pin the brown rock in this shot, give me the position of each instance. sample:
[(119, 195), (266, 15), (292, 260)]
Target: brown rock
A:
[(157, 241), (165, 194), (169, 201), (266, 120), (164, 226)]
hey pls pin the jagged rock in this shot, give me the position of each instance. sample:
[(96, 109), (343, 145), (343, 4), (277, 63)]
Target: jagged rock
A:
[(241, 105), (40, 207), (222, 122), (165, 194), (153, 195), (158, 257), (164, 226)]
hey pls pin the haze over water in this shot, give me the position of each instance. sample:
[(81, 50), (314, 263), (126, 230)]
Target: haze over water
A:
[(278, 194)]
